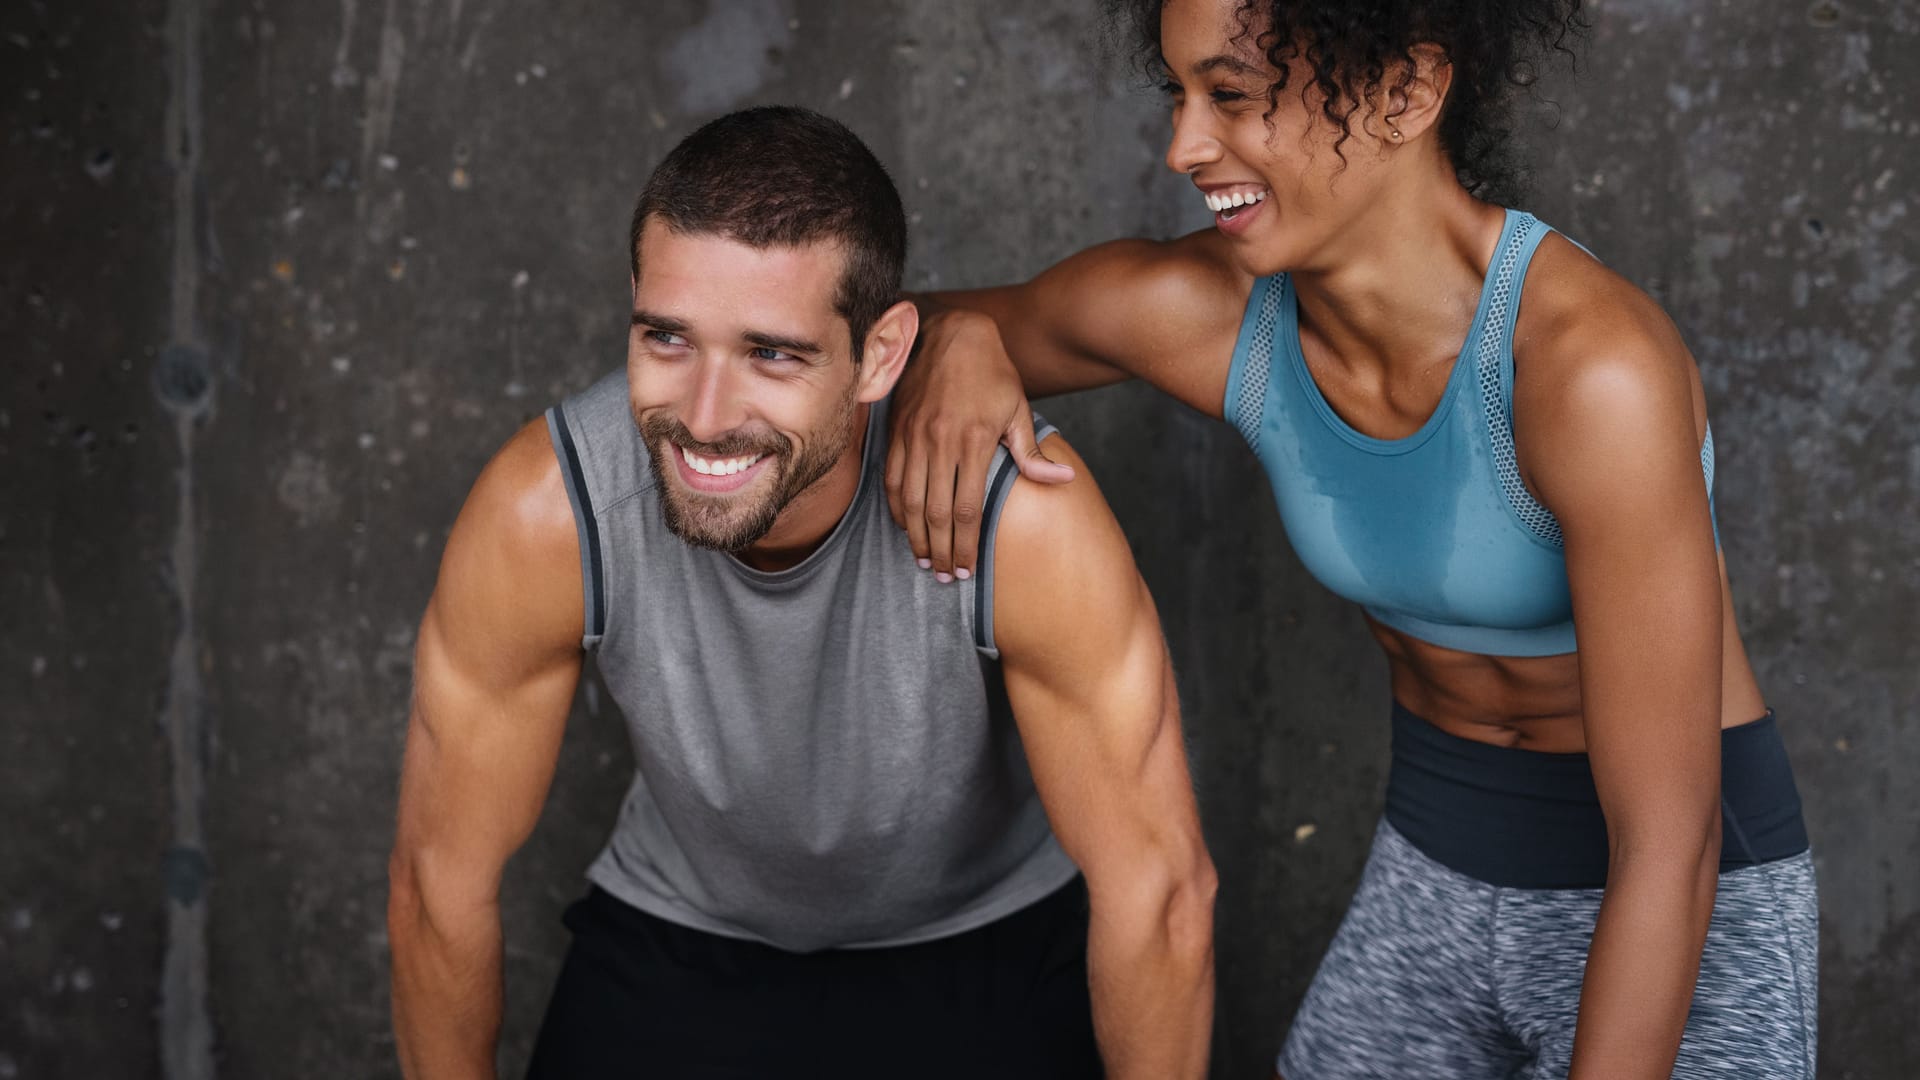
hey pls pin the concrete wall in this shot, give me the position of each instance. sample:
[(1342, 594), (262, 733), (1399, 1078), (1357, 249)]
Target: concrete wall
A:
[(279, 276)]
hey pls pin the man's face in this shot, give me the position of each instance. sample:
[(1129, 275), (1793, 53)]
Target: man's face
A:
[(741, 376)]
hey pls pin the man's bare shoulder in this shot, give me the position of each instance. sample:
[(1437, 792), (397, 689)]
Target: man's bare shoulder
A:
[(1060, 562), (522, 498), (512, 564)]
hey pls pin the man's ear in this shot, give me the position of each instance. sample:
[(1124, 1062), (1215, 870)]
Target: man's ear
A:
[(889, 343), (1414, 107)]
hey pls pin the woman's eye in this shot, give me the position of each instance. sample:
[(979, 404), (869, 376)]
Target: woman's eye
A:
[(1170, 88), (1224, 95)]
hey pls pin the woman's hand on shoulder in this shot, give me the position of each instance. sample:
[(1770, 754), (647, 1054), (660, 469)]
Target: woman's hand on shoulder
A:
[(1167, 312), (959, 399)]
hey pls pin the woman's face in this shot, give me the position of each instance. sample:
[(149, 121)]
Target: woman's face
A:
[(1293, 189)]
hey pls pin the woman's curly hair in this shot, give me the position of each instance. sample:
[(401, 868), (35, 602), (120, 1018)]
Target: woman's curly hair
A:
[(1494, 47)]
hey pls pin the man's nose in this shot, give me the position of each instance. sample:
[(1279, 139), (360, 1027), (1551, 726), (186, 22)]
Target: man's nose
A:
[(714, 406)]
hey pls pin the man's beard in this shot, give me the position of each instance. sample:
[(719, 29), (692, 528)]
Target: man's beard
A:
[(735, 522)]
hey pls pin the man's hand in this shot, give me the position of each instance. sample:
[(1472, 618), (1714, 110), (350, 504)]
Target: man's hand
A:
[(957, 401)]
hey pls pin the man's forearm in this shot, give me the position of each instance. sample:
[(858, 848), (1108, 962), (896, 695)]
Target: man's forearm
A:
[(1641, 970), (447, 989), (1150, 966)]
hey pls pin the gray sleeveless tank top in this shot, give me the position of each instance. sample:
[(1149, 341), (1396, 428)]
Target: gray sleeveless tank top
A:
[(825, 754)]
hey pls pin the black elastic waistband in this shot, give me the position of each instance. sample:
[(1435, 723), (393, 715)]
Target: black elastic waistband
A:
[(1527, 820)]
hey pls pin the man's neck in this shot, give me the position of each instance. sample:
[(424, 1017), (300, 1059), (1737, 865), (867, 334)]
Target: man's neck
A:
[(806, 522)]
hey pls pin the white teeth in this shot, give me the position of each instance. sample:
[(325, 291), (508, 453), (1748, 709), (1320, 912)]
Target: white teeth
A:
[(719, 466), (1224, 202)]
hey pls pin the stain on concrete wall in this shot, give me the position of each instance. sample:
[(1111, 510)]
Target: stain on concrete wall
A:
[(279, 277)]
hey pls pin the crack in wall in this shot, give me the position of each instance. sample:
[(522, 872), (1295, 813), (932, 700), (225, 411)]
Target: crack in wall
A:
[(183, 382)]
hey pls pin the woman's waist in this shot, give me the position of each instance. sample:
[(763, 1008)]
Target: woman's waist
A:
[(1530, 819), (1521, 702)]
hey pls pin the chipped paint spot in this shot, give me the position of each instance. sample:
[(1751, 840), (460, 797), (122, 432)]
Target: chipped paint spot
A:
[(306, 489)]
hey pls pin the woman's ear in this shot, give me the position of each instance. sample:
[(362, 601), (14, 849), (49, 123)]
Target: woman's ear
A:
[(1411, 104)]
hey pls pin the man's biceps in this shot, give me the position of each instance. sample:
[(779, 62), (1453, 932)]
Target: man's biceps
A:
[(461, 660), (446, 661), (473, 801), (1109, 719)]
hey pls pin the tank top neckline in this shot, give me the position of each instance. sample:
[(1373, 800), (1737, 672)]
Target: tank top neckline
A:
[(1465, 362)]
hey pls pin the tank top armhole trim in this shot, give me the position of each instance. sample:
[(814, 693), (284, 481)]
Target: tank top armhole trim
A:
[(1706, 468), (592, 573), (1250, 370), (1000, 481)]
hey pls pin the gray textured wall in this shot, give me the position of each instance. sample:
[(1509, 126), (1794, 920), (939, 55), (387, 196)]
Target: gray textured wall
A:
[(278, 277)]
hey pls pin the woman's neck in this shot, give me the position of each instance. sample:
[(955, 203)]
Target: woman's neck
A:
[(1400, 283)]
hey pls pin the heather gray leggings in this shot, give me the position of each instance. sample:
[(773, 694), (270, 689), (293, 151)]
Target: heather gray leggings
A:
[(1437, 976)]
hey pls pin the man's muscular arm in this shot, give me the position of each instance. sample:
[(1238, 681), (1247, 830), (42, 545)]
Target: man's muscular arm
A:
[(494, 673), (1092, 690)]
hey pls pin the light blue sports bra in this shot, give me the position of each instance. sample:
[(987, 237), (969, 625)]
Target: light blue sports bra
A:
[(1434, 534)]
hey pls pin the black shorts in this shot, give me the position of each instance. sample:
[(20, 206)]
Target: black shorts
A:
[(640, 997)]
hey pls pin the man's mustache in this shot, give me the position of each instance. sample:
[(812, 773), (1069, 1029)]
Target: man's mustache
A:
[(733, 444)]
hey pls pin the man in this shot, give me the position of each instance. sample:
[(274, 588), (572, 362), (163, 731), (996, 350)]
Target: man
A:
[(835, 857)]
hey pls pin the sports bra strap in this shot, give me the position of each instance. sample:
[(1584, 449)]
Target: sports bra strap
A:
[(1493, 359)]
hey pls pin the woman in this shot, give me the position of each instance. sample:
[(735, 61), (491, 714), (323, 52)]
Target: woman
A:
[(1592, 861)]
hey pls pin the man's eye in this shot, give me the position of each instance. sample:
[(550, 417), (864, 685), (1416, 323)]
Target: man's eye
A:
[(662, 337), (761, 352)]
